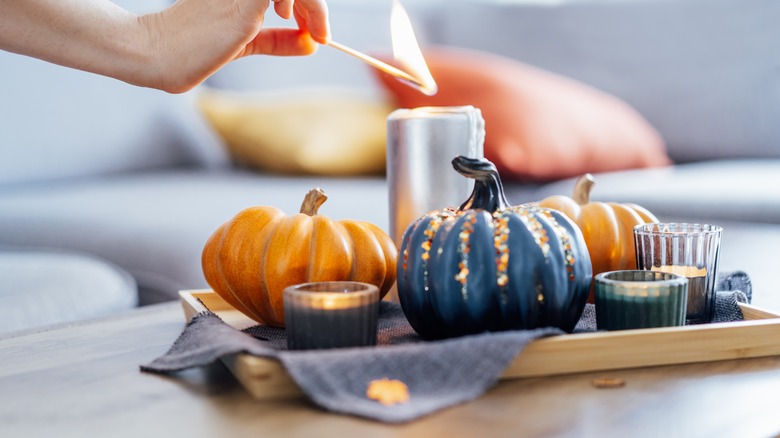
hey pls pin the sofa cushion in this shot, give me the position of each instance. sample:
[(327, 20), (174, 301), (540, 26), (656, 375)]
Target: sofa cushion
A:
[(43, 287), (57, 122), (155, 224), (703, 72), (538, 125), (324, 131), (728, 190)]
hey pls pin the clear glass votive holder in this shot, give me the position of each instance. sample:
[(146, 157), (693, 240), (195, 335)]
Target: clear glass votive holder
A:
[(331, 314), (689, 250), (639, 299)]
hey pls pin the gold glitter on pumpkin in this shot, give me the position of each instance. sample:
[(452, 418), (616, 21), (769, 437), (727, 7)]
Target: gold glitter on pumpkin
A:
[(501, 245), (464, 248), (540, 293), (539, 233), (563, 236), (435, 220)]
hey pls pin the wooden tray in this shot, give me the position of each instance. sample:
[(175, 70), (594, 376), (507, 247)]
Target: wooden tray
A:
[(757, 336)]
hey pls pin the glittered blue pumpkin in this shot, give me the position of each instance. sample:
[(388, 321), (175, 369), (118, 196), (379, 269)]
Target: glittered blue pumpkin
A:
[(489, 266)]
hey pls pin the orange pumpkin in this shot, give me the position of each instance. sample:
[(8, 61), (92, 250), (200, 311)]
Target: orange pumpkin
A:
[(608, 227), (250, 259)]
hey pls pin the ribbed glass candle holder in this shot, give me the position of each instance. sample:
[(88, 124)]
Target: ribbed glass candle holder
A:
[(331, 314), (640, 299), (690, 250)]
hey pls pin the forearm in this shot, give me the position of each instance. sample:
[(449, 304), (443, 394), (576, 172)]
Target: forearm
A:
[(173, 50), (92, 35)]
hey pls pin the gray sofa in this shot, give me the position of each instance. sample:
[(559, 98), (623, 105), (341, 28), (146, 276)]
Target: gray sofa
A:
[(109, 192)]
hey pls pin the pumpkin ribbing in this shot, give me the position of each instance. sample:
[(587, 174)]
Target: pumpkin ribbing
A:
[(607, 227), (251, 259), (490, 266)]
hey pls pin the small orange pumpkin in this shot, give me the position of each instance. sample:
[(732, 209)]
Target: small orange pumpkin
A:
[(250, 259), (608, 227)]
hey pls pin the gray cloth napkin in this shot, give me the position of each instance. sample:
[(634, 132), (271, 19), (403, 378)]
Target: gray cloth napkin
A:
[(438, 374)]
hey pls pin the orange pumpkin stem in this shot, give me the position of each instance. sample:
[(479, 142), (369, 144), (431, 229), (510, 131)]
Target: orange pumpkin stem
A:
[(582, 188), (313, 201)]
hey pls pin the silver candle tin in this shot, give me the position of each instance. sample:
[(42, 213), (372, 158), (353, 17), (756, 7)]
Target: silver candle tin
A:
[(421, 143)]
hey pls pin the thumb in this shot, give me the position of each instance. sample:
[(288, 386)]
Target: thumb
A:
[(281, 42)]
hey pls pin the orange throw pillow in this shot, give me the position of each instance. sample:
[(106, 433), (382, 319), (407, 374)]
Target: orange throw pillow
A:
[(539, 125)]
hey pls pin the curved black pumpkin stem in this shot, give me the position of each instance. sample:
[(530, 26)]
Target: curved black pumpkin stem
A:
[(488, 192)]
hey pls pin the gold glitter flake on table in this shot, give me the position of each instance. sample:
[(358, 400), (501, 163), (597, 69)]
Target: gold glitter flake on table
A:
[(388, 392)]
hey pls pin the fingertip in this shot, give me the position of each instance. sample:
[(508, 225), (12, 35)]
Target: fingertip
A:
[(307, 44), (284, 9), (321, 39), (319, 22), (320, 31)]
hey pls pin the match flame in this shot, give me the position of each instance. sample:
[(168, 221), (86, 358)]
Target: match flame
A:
[(407, 53)]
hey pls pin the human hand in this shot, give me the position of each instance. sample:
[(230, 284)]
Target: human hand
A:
[(311, 16), (194, 38), (173, 50)]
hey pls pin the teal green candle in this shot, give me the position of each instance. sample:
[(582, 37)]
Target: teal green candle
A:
[(640, 299)]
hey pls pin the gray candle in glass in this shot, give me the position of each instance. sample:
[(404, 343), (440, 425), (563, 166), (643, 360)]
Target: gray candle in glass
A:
[(331, 314), (690, 250)]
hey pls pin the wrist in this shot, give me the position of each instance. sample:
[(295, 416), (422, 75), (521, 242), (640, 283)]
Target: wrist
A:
[(176, 48), (92, 35)]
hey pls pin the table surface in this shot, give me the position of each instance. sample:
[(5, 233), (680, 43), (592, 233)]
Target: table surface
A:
[(84, 380)]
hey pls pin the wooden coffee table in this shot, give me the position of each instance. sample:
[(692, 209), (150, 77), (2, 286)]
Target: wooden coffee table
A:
[(83, 380)]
